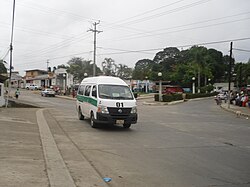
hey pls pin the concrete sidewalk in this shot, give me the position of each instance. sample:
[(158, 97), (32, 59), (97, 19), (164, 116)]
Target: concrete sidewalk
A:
[(242, 111), (30, 155), (21, 156)]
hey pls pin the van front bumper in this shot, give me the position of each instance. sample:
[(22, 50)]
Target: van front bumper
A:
[(112, 119)]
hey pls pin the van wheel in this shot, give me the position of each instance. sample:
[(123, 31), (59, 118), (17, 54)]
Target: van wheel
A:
[(80, 116), (92, 123), (126, 126)]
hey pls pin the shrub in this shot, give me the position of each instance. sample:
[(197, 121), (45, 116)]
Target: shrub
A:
[(169, 97), (176, 97)]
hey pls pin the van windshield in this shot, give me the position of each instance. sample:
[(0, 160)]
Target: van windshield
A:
[(114, 92)]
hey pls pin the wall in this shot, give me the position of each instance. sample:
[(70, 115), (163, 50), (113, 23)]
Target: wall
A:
[(2, 99)]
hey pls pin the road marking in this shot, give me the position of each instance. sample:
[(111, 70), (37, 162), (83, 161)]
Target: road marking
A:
[(58, 172), (17, 120)]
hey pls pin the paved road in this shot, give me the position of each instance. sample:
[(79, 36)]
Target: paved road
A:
[(189, 144)]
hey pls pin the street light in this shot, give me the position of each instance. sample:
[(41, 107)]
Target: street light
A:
[(193, 79), (160, 87), (65, 82), (146, 84)]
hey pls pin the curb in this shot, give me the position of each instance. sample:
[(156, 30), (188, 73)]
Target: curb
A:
[(157, 103), (65, 97), (235, 111)]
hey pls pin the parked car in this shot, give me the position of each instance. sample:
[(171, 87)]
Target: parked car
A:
[(48, 92), (172, 90), (32, 87)]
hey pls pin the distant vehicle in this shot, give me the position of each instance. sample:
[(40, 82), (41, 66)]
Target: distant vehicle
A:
[(222, 95), (32, 87), (48, 92)]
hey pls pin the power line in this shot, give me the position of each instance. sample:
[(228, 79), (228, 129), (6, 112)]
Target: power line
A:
[(180, 46), (59, 57), (123, 50), (149, 11), (136, 36), (6, 53), (244, 50), (58, 45), (139, 51), (34, 31), (146, 32), (167, 12), (54, 11)]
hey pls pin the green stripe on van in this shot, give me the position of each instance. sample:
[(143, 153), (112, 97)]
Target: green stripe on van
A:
[(87, 99)]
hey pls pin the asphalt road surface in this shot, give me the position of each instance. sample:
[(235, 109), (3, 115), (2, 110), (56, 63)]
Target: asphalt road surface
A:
[(194, 143)]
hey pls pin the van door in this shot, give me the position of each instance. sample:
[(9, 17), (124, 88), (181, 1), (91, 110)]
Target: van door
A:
[(86, 107), (93, 100)]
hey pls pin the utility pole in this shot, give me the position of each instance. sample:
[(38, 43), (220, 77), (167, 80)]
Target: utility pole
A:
[(47, 65), (11, 50), (229, 73), (94, 57)]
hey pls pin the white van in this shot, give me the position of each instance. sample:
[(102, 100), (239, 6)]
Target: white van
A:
[(106, 100)]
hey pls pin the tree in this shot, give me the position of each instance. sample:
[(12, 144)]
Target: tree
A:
[(78, 67), (123, 71), (167, 60), (109, 67), (179, 67), (143, 69), (242, 71), (62, 66), (3, 69)]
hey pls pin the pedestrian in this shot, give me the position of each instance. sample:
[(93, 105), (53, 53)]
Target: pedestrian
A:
[(17, 93), (73, 93)]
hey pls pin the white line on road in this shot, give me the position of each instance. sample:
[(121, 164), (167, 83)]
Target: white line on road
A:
[(58, 173)]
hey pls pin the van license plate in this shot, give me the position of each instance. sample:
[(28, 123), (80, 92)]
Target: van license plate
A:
[(120, 122)]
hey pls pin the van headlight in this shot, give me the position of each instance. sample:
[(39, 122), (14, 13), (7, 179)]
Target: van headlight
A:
[(103, 109), (133, 110)]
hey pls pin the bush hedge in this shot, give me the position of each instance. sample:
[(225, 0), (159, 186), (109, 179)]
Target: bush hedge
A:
[(176, 97)]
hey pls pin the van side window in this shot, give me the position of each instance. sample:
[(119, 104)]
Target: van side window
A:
[(94, 92), (87, 90), (81, 89)]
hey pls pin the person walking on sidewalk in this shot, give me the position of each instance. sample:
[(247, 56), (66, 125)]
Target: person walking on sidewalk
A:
[(17, 93)]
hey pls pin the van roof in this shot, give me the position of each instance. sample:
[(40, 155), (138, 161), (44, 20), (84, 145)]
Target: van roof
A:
[(104, 80)]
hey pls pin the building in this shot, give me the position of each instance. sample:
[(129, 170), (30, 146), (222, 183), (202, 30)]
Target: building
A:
[(16, 80), (58, 79), (37, 77)]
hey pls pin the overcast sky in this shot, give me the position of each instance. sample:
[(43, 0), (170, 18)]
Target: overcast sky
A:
[(131, 29)]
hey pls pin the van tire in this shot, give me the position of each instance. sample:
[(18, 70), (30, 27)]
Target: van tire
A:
[(93, 124), (80, 116), (126, 126)]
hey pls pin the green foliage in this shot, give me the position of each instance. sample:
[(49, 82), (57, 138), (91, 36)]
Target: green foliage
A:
[(110, 68), (169, 97), (177, 97), (242, 71), (179, 67), (200, 95), (143, 69), (78, 67), (3, 69), (62, 66), (123, 71)]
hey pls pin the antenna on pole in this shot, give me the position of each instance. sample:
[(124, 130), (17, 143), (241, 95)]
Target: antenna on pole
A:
[(94, 57)]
